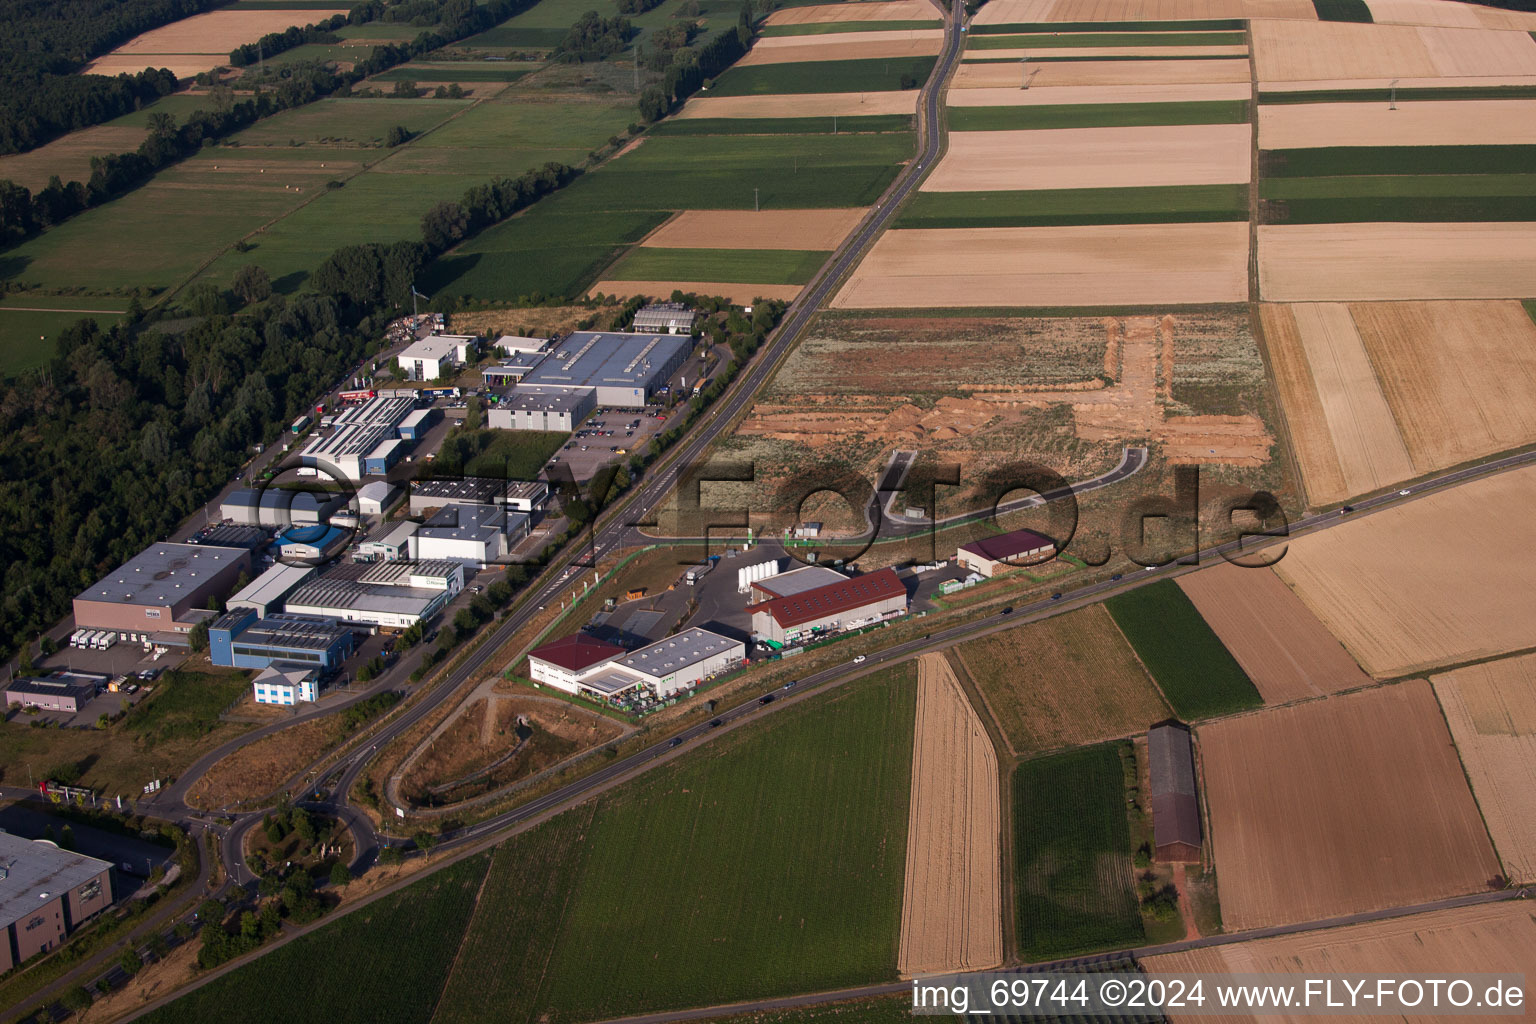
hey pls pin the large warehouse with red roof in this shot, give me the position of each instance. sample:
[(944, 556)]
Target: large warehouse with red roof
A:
[(830, 608)]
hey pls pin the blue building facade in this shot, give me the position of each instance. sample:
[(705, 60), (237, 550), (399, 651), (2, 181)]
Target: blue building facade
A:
[(238, 639)]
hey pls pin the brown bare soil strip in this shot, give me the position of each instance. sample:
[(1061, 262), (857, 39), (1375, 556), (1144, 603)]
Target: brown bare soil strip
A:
[(1291, 51), (1460, 376), (1423, 123), (1433, 582), (1050, 96), (886, 10), (831, 104), (1195, 154), (951, 916), (1447, 82), (1001, 12), (1019, 53), (1064, 682), (1053, 266), (809, 230), (1344, 262), (854, 46), (1100, 72), (1491, 709), (1282, 646), (1494, 937), (1339, 806), (736, 293)]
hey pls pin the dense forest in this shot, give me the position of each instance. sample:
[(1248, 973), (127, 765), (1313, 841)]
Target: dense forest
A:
[(594, 37), (46, 41), (688, 68)]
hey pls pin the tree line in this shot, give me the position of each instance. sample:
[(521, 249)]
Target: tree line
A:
[(274, 43), (593, 38), (691, 66)]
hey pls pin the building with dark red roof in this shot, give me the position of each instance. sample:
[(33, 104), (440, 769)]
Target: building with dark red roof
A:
[(565, 662), (1175, 806), (832, 608), (992, 555)]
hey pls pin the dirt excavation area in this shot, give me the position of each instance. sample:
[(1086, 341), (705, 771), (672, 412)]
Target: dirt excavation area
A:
[(1497, 938), (1377, 393), (1282, 646), (1002, 12), (1413, 123), (1435, 581), (834, 104), (1197, 154), (1051, 96), (1099, 72), (200, 42), (920, 42), (1097, 265), (1491, 709), (951, 916), (1294, 51), (1339, 806), (1386, 261), (885, 10), (810, 230)]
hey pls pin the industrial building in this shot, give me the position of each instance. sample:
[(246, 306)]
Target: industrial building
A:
[(436, 355), (277, 507), (665, 318), (364, 439), (45, 894), (582, 665), (827, 608), (565, 663), (58, 691), (377, 497), (391, 544), (230, 535), (241, 639), (311, 545), (389, 595), (765, 585), (513, 345), (285, 685), (533, 407), (416, 424), (1175, 807), (474, 534), (266, 593), (161, 588), (992, 555), (517, 495), (624, 370)]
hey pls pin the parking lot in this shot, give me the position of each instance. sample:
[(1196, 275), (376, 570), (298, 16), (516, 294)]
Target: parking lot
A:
[(609, 435)]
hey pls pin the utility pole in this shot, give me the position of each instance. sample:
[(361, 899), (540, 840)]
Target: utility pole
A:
[(755, 207), (1024, 71), (834, 124), (1392, 102)]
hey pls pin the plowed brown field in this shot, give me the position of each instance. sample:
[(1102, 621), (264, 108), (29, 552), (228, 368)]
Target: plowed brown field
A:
[(1423, 123), (844, 46), (833, 104), (1017, 53), (1344, 262), (884, 10), (810, 230), (1001, 12), (1282, 646), (1496, 937), (1065, 682), (1129, 264), (1050, 96), (1196, 154), (1340, 806), (1491, 709), (200, 42), (1291, 51), (1100, 72), (951, 917), (1437, 581)]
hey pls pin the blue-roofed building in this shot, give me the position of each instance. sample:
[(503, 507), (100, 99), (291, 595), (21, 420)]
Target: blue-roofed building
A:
[(239, 639), (311, 544)]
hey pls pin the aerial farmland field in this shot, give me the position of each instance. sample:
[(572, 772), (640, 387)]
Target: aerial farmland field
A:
[(1338, 806)]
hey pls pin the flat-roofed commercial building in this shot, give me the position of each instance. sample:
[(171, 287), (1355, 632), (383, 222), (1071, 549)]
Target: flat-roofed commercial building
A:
[(392, 543), (364, 439), (665, 318), (267, 592), (60, 691), (161, 588), (623, 369), (46, 893), (433, 356), (279, 507), (992, 555), (241, 639), (532, 407), (390, 595), (683, 661), (376, 497), (474, 534), (517, 495), (829, 608), (796, 581)]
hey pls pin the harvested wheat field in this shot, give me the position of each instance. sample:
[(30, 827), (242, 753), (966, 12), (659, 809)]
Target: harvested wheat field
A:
[(1282, 646), (739, 294), (1429, 583), (834, 104), (1050, 96), (1340, 262), (809, 230), (1191, 154), (1460, 376), (951, 916), (1340, 806), (200, 42), (844, 46), (1448, 14), (1339, 415), (1127, 264), (1491, 709), (1294, 51), (1067, 681), (70, 156), (1099, 72), (1457, 82), (1494, 937), (1001, 12), (883, 10), (1413, 123), (1139, 52)]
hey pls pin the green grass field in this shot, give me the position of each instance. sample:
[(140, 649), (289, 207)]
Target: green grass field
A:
[(1097, 115), (743, 266), (772, 862), (1164, 204), (1072, 847), (459, 71), (186, 704), (1337, 161), (879, 75), (826, 28), (1053, 40), (786, 125), (387, 962), (26, 335), (1407, 197), (1342, 10), (1018, 28), (1187, 660)]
